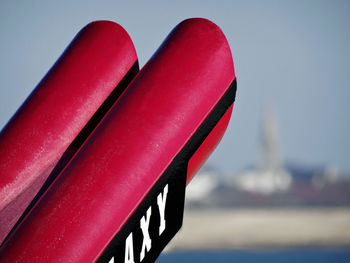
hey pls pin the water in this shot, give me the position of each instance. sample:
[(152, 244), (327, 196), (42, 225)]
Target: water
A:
[(269, 256)]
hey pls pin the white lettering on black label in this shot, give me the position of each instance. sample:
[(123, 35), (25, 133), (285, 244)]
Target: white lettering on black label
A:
[(153, 223), (147, 242), (161, 201), (129, 250)]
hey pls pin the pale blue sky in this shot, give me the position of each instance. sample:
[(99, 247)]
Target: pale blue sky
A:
[(292, 55)]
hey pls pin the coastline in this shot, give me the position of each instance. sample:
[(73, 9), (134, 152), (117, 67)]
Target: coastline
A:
[(256, 228)]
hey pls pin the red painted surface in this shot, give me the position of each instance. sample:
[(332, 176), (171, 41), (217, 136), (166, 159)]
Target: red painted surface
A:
[(59, 107), (129, 151)]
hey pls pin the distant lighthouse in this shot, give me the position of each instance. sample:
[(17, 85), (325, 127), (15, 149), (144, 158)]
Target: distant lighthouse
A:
[(269, 176), (269, 149)]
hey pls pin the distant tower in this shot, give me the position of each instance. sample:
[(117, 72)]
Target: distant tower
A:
[(269, 150)]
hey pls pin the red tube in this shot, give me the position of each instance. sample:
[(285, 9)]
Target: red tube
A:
[(34, 140), (166, 113)]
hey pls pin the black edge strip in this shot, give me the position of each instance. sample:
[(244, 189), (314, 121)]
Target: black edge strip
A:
[(210, 122), (81, 138)]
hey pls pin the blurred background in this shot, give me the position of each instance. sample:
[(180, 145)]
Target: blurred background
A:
[(277, 188)]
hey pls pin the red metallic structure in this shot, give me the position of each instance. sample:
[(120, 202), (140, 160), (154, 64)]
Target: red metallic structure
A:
[(181, 93)]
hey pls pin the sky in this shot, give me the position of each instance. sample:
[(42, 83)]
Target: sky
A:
[(290, 56)]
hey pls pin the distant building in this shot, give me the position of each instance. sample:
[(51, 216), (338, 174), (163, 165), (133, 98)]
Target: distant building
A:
[(201, 186)]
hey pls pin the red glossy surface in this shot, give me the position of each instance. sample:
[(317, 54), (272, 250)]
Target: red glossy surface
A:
[(150, 124), (52, 116)]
